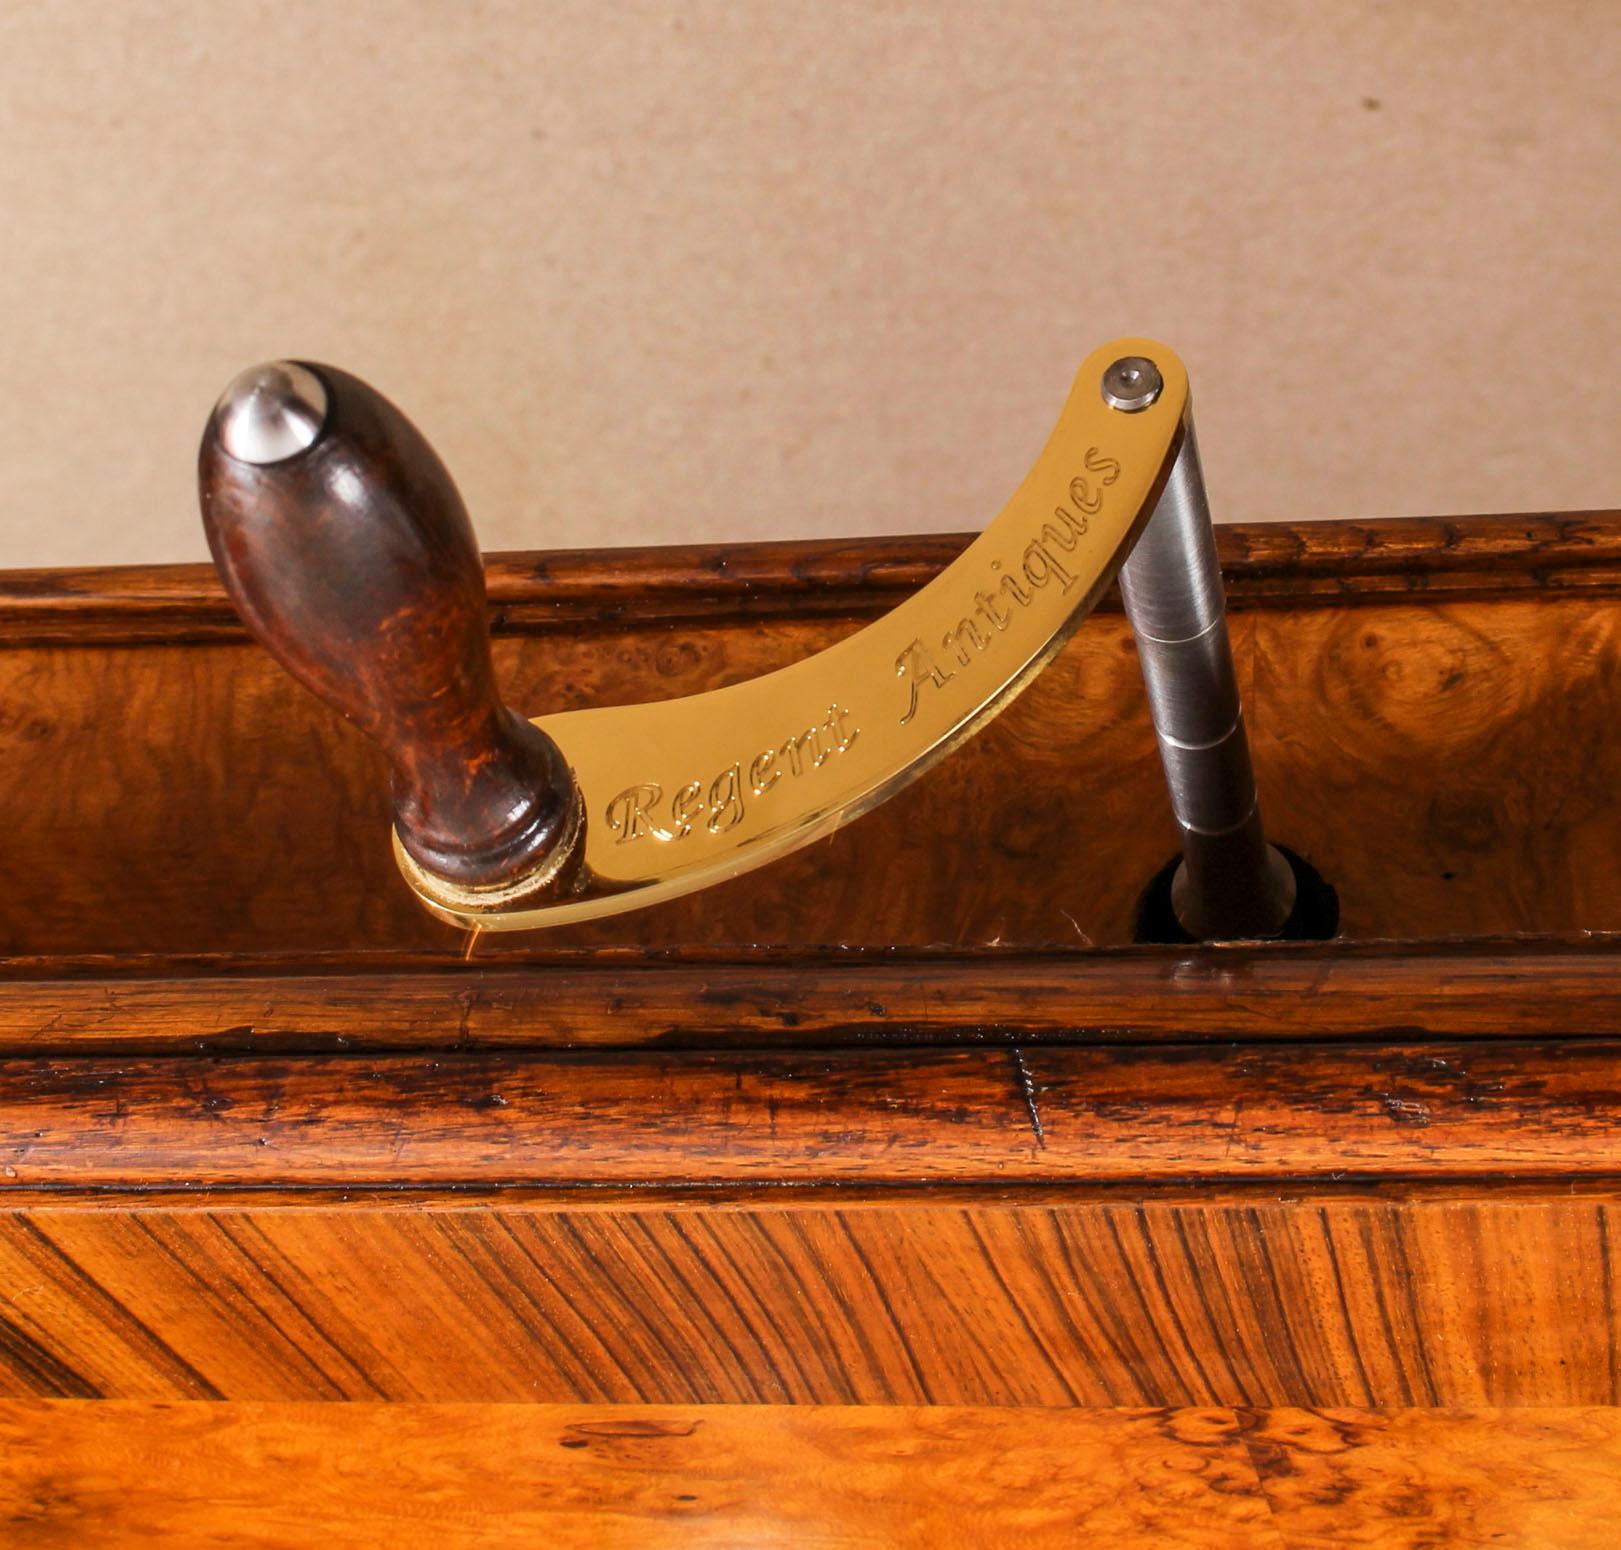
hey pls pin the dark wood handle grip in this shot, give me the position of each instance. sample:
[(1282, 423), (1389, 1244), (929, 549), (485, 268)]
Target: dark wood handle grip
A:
[(347, 551)]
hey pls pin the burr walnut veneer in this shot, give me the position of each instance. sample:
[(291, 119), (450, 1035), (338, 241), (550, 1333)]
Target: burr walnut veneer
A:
[(906, 1120)]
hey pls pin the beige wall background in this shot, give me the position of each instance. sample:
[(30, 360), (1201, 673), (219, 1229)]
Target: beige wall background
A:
[(653, 272)]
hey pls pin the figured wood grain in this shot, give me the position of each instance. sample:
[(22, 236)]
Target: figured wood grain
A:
[(619, 1478), (1311, 1296), (1448, 767), (508, 995), (1116, 1112), (646, 1477), (1413, 1479)]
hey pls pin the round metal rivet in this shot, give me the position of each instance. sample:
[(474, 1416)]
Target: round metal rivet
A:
[(1133, 382)]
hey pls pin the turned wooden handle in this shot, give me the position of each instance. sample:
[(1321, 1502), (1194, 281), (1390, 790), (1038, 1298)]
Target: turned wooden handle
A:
[(348, 553)]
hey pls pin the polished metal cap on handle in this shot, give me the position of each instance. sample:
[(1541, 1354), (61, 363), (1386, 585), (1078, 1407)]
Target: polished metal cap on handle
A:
[(271, 412)]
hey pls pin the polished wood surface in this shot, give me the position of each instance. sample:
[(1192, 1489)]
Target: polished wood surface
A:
[(354, 564), (1108, 1113), (633, 1478), (1323, 1294), (702, 1478), (513, 996)]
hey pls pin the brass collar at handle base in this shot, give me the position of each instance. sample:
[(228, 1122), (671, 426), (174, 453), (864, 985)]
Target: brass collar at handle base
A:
[(680, 794), (453, 900)]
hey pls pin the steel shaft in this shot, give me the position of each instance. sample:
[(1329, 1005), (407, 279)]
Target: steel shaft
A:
[(1231, 883)]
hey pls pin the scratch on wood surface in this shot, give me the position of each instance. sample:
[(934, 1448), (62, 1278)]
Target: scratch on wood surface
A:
[(1028, 1089)]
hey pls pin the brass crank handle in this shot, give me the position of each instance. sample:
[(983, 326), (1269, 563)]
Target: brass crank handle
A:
[(347, 551)]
